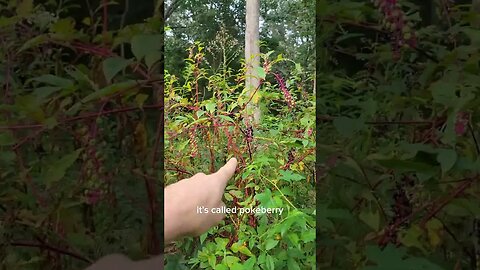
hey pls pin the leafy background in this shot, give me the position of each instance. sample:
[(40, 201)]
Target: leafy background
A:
[(80, 132), (206, 124), (398, 127)]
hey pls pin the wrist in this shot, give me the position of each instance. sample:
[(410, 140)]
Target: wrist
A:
[(174, 224)]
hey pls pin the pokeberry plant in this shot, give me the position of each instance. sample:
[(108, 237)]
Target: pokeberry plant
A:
[(399, 156), (205, 125), (79, 137)]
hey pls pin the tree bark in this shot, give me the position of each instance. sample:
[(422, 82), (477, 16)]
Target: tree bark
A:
[(252, 58)]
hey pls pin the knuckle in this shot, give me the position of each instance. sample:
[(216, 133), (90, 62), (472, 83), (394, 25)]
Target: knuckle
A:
[(200, 174)]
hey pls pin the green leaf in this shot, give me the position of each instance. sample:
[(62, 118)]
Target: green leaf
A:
[(371, 218), (236, 247), (291, 176), (392, 258), (270, 243), (347, 126), (203, 237), (53, 80), (152, 58), (292, 264), (250, 263), (230, 260), (221, 267), (447, 159), (140, 99), (57, 169), (308, 236), (210, 106), (63, 29), (43, 92), (112, 66), (411, 238), (260, 72), (143, 45), (443, 92), (50, 122), (110, 90), (244, 250), (406, 165), (33, 42), (270, 262)]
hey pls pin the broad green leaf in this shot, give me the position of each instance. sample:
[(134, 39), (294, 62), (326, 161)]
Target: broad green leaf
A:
[(221, 267), (270, 262), (230, 260), (270, 243), (434, 230), (292, 264), (54, 80), (210, 106), (244, 250), (43, 92), (57, 169), (371, 218), (63, 29), (226, 118), (308, 236), (110, 90), (447, 159), (140, 99), (203, 237), (412, 236), (392, 258), (291, 176), (143, 45), (112, 66), (250, 263), (406, 165), (443, 92), (35, 41), (50, 122), (152, 58), (260, 72)]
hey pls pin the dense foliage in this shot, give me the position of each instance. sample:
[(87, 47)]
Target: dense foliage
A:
[(80, 130), (276, 162), (398, 122), (207, 122)]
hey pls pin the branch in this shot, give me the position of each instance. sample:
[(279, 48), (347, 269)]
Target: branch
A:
[(170, 9), (442, 203), (83, 117), (51, 248), (472, 132)]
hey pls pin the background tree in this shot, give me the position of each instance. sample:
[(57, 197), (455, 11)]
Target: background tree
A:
[(252, 58)]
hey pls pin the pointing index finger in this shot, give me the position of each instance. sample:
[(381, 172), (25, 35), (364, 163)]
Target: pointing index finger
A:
[(226, 172)]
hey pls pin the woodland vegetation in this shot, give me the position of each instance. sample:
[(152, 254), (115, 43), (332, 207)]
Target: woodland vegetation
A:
[(399, 130)]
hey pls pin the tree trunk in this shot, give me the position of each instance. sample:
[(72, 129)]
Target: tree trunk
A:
[(252, 58)]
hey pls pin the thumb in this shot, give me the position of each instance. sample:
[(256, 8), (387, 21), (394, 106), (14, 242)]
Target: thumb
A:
[(226, 172)]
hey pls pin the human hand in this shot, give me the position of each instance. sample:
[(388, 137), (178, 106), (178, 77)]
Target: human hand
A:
[(182, 199)]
